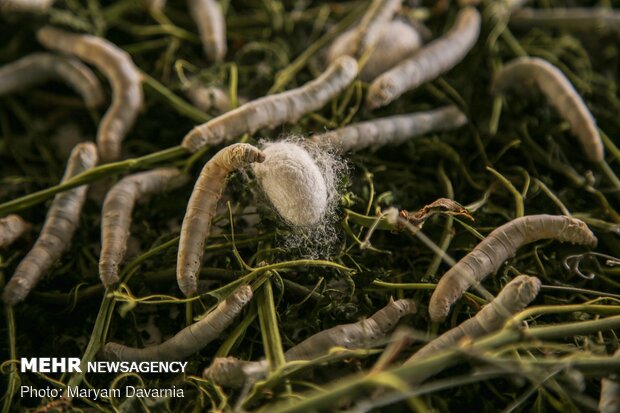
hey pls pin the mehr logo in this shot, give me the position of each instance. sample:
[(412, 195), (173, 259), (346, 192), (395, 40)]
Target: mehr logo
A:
[(51, 365)]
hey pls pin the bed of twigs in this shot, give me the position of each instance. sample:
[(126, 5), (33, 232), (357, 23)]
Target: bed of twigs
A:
[(516, 156)]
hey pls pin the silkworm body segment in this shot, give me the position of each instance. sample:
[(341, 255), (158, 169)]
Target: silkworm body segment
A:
[(124, 77), (497, 247), (232, 372), (116, 214), (391, 130), (365, 34), (209, 18), (561, 95), (392, 42), (189, 340), (356, 335), (431, 61), (40, 67), (11, 228), (60, 223), (209, 99), (201, 209), (514, 297), (271, 111)]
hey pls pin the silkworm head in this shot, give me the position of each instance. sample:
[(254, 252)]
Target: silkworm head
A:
[(242, 154), (293, 183), (379, 92), (528, 288), (241, 295), (577, 232)]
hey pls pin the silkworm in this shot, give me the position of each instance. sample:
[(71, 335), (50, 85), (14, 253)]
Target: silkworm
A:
[(392, 42), (34, 6), (123, 75), (209, 18), (116, 214), (378, 13), (11, 228), (500, 245), (609, 401), (271, 111), (293, 182), (191, 339), (232, 372), (514, 297), (432, 60), (41, 67), (362, 334), (574, 18), (209, 99), (560, 94), (60, 223), (391, 130), (201, 209)]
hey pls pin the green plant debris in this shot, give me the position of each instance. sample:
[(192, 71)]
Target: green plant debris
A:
[(515, 157)]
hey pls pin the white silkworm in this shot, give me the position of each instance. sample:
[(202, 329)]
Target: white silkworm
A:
[(497, 247), (60, 223), (514, 297), (209, 18), (116, 214), (40, 67), (11, 228), (293, 182), (364, 333), (123, 75), (391, 130), (201, 209), (232, 372), (191, 339), (432, 60), (609, 401), (209, 99), (392, 42), (271, 111), (560, 94), (34, 6), (574, 18), (366, 33)]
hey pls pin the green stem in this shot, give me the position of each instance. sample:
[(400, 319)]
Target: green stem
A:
[(268, 319), (286, 75), (92, 175), (13, 374), (417, 372), (180, 105), (519, 209)]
